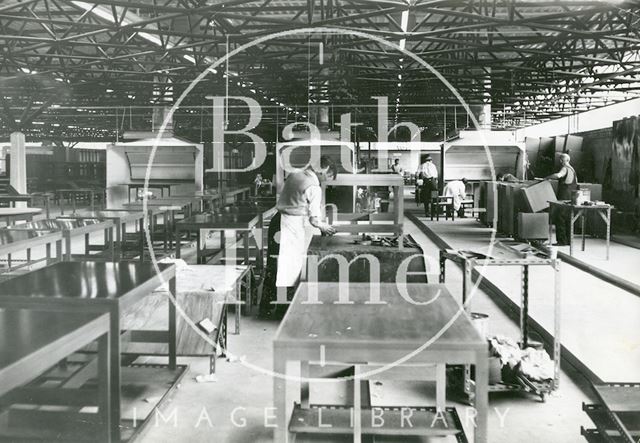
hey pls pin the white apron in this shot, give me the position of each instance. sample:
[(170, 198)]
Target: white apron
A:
[(295, 236)]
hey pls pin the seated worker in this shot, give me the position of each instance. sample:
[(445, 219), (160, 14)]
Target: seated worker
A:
[(458, 190), (397, 168), (567, 183), (299, 211)]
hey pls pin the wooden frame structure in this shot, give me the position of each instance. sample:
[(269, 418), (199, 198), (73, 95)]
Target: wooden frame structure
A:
[(393, 181)]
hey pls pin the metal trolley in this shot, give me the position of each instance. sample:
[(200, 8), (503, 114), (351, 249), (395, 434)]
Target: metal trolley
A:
[(469, 261)]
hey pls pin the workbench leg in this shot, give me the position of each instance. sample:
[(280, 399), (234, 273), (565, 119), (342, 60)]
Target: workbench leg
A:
[(178, 247), (557, 321), (608, 234), (441, 387), (524, 307), (141, 236), (114, 320), (583, 226), (92, 199), (67, 248), (111, 243), (357, 405), (280, 433), (172, 323), (443, 268), (571, 233), (304, 384), (105, 412), (245, 235), (120, 232), (238, 305), (482, 397)]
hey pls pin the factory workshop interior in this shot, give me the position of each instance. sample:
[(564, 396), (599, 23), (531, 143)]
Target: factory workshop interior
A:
[(320, 221)]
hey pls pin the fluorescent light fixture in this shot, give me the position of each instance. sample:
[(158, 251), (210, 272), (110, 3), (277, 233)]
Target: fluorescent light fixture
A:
[(404, 21), (38, 123), (403, 43), (109, 90)]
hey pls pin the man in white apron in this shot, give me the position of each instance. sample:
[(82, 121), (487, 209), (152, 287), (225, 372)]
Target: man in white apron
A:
[(290, 230)]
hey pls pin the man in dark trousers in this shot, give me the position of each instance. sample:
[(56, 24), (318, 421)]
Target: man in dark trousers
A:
[(428, 173), (567, 183)]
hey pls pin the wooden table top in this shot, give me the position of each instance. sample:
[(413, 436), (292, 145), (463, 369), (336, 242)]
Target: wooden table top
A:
[(151, 184), (43, 337), (85, 280), (240, 220), (106, 214), (345, 243), (398, 324), (96, 190), (168, 203), (11, 236), (571, 205), (619, 398), (10, 212), (25, 331), (59, 224)]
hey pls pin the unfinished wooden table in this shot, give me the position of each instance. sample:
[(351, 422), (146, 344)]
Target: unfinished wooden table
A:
[(120, 218), (91, 192), (151, 185), (203, 292), (406, 325), (11, 200), (72, 228), (11, 215), (12, 241), (580, 212), (244, 222), (32, 342), (97, 287)]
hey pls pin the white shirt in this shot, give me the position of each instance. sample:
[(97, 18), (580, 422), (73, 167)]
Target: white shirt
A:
[(428, 170), (313, 195), (457, 190)]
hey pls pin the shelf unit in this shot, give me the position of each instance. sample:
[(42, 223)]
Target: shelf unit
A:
[(469, 262), (617, 416)]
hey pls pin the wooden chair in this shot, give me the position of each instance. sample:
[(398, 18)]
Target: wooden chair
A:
[(440, 203)]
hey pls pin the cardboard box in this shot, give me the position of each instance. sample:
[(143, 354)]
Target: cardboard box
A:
[(533, 226)]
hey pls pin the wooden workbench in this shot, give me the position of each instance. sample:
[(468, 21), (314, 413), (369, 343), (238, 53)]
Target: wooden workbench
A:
[(390, 258), (376, 338), (34, 341), (97, 287)]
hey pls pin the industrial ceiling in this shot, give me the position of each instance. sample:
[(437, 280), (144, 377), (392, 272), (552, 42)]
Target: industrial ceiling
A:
[(90, 69)]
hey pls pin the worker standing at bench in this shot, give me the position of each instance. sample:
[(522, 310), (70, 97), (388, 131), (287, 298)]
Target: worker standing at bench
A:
[(567, 183), (299, 209), (428, 173)]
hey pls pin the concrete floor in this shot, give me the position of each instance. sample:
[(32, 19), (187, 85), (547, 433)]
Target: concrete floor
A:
[(590, 307), (235, 408), (244, 394)]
